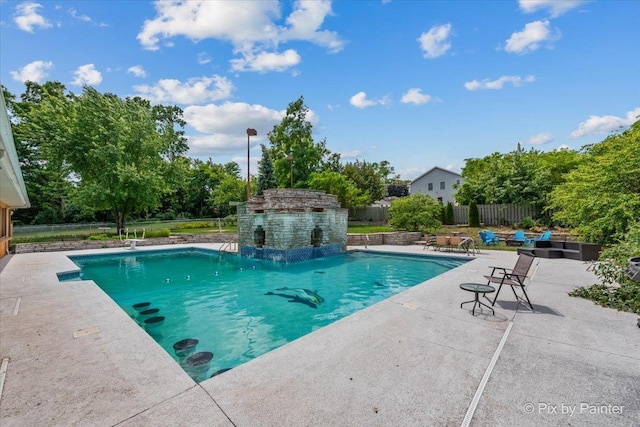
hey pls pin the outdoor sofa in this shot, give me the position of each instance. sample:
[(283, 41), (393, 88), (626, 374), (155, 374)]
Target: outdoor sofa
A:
[(561, 249)]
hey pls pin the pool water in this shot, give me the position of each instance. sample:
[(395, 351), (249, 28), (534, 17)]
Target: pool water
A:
[(240, 308)]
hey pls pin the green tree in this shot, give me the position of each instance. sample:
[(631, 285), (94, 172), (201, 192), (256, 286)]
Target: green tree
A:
[(39, 120), (601, 197), (348, 194), (519, 177), (367, 177), (230, 189), (116, 148), (417, 212), (474, 215), (449, 215), (266, 177), (293, 152)]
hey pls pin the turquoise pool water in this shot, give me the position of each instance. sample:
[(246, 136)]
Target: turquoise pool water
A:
[(239, 308)]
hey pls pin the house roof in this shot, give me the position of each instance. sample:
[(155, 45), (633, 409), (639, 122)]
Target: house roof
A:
[(434, 168), (12, 189)]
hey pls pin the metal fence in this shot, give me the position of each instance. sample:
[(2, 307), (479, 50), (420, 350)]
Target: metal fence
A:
[(98, 227)]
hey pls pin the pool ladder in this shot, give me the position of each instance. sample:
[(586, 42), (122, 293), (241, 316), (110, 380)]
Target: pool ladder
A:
[(229, 246)]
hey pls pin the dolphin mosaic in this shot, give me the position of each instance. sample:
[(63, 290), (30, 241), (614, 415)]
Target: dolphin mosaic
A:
[(299, 295)]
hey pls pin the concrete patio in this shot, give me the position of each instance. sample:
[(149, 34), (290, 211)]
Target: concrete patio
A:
[(74, 358)]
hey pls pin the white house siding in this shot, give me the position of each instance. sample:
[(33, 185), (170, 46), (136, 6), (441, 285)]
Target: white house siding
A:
[(436, 176)]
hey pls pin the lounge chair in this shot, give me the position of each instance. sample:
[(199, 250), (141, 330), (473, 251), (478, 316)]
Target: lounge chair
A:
[(488, 238), (544, 236), (513, 277), (519, 236)]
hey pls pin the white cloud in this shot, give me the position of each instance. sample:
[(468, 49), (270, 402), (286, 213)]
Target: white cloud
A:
[(539, 139), (414, 96), (354, 154), (223, 127), (27, 17), (605, 124), (74, 14), (359, 100), (555, 7), (36, 71), (529, 39), (411, 173), (266, 61), (137, 71), (203, 58), (305, 22), (516, 81), (563, 147), (194, 91), (87, 75), (435, 42), (254, 28)]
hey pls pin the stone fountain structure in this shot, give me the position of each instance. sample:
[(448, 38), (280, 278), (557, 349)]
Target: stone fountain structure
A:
[(291, 225)]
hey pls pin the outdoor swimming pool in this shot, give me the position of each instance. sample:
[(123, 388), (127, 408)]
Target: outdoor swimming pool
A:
[(240, 308)]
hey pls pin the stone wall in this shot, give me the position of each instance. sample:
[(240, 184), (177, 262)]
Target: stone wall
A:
[(393, 238), (292, 230), (292, 200), (99, 244), (287, 217)]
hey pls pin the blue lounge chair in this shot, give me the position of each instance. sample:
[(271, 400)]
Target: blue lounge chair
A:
[(544, 236), (519, 236), (488, 238)]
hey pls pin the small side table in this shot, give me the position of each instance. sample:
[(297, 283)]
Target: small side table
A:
[(477, 289)]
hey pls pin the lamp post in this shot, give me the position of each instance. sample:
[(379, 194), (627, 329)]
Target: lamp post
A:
[(290, 158), (250, 132)]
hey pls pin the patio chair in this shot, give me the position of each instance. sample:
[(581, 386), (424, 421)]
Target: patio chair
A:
[(488, 238), (429, 241), (544, 236), (519, 236), (513, 277), (454, 242), (441, 242)]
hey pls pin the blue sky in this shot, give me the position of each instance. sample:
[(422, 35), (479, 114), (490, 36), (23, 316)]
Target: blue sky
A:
[(417, 83)]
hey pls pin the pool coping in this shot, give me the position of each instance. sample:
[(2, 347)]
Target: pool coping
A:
[(369, 368)]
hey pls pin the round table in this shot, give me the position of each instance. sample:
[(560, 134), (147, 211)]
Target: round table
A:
[(477, 289)]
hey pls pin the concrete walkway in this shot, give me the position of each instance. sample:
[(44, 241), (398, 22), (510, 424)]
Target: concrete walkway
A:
[(74, 358)]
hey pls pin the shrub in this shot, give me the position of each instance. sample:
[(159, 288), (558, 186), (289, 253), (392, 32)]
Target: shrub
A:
[(527, 223), (166, 216), (99, 237), (617, 290), (191, 225), (230, 220), (160, 232), (449, 216), (474, 215), (414, 213)]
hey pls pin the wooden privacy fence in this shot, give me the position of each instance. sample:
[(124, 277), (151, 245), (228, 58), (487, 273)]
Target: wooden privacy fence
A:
[(379, 214), (506, 214)]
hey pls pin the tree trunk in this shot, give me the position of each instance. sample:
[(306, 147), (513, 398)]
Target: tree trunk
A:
[(119, 219)]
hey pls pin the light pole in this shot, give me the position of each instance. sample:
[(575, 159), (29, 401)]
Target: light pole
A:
[(290, 158), (250, 132)]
